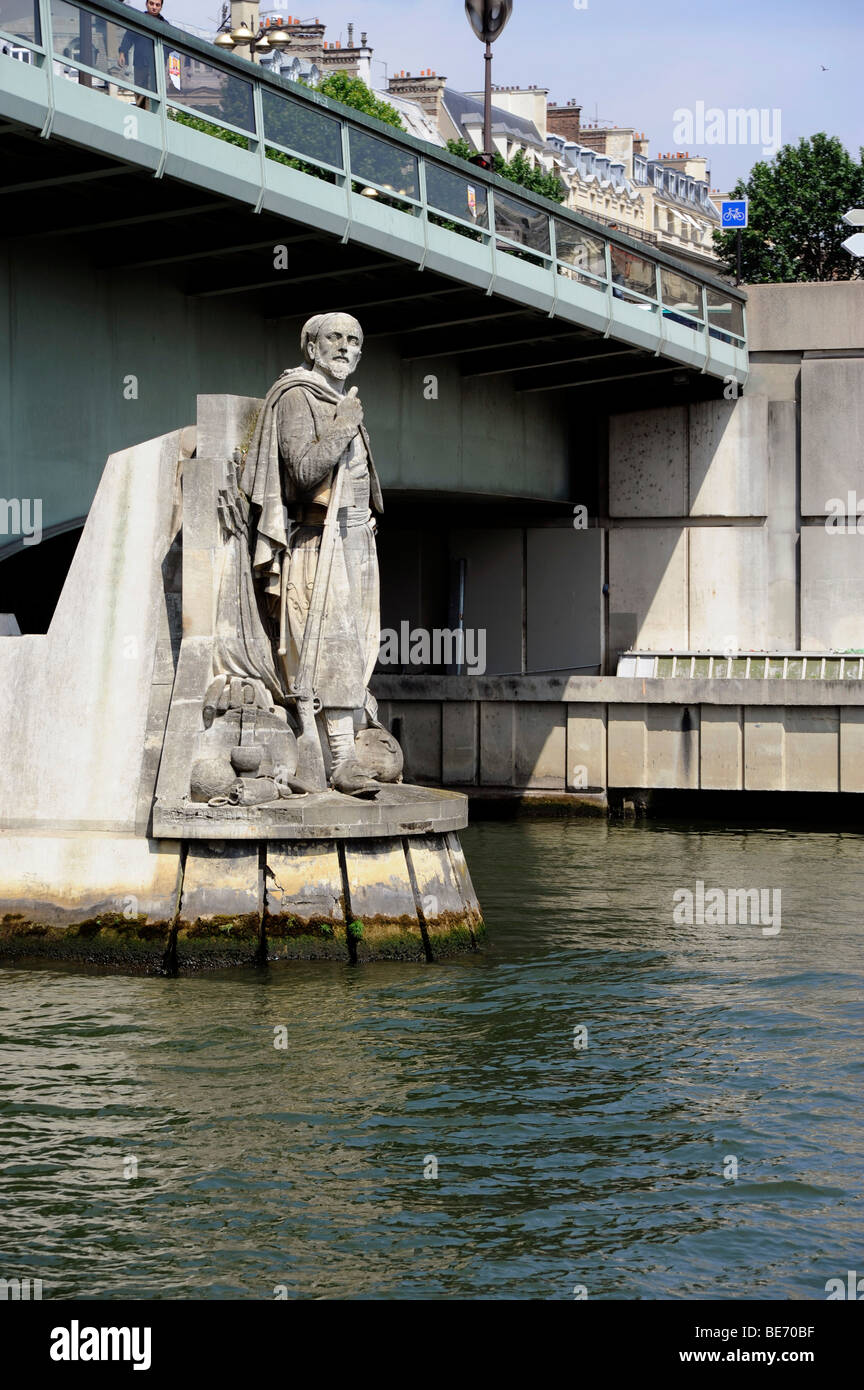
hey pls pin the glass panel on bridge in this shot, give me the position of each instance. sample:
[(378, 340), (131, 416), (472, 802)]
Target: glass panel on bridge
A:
[(302, 130), (450, 192), (387, 166), (725, 315), (82, 37), (680, 293), (632, 273), (521, 223), (21, 18), (209, 90), (579, 251)]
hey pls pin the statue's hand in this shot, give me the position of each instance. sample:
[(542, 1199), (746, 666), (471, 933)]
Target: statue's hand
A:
[(349, 412)]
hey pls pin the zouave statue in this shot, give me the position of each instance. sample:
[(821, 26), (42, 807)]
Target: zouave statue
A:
[(298, 624)]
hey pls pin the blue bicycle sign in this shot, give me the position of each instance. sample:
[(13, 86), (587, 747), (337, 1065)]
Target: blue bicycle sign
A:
[(733, 212)]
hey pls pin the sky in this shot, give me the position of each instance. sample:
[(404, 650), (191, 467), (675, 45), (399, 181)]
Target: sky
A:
[(633, 62)]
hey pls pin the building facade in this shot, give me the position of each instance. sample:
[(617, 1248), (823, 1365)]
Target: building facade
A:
[(665, 200)]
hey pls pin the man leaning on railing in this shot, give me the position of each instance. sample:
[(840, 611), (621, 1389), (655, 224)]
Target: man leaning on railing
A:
[(142, 53)]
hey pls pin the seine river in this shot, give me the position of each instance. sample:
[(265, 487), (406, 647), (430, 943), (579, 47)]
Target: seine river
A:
[(613, 1101)]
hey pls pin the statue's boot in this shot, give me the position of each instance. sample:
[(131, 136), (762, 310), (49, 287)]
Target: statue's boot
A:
[(289, 785), (348, 777)]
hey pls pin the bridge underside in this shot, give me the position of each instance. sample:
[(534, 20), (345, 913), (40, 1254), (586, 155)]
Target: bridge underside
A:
[(58, 197)]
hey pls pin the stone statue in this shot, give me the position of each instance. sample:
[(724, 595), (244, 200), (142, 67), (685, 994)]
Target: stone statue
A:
[(298, 624)]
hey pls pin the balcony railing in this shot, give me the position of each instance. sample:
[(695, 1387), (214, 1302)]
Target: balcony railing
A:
[(810, 666), (129, 57)]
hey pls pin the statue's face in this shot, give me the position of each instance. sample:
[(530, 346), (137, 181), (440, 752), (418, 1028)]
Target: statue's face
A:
[(336, 350)]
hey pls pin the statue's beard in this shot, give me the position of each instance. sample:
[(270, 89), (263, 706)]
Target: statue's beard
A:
[(339, 370)]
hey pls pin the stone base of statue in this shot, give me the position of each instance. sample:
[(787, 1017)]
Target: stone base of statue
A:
[(111, 853)]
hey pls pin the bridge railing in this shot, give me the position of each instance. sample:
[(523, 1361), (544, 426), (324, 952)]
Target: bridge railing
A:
[(129, 57)]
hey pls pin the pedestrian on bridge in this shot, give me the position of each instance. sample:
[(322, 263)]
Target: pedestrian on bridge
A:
[(142, 53)]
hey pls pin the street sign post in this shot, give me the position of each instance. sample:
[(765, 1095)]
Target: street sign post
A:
[(854, 217), (733, 213)]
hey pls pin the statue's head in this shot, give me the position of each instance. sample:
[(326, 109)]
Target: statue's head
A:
[(332, 343)]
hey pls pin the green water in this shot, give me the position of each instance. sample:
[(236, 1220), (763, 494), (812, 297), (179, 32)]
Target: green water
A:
[(263, 1169)]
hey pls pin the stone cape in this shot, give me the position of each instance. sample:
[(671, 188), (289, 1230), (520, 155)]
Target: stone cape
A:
[(262, 480)]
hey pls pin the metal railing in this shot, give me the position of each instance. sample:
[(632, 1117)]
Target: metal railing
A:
[(129, 57), (811, 666)]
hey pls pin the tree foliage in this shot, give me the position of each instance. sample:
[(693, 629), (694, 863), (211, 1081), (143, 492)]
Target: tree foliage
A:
[(796, 206), (352, 91), (518, 170), (208, 128)]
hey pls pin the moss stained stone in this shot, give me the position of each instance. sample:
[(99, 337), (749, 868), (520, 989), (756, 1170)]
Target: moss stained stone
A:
[(287, 938), (216, 942), (243, 904), (135, 945)]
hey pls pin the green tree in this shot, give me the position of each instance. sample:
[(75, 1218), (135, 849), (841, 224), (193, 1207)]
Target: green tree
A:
[(796, 206), (352, 91), (517, 170)]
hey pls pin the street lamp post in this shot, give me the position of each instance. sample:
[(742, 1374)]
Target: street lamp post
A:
[(487, 18), (262, 41)]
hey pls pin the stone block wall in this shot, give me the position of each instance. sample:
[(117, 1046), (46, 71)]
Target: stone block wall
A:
[(596, 733)]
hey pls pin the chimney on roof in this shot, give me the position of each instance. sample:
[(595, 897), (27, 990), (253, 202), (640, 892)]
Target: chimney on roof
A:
[(425, 87), (363, 38), (350, 35)]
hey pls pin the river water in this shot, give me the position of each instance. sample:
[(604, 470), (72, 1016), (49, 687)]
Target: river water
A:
[(585, 1088)]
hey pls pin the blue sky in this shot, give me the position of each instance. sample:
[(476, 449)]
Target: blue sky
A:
[(633, 62)]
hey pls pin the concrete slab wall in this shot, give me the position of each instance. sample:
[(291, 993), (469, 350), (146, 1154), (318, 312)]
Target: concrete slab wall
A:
[(714, 507), (83, 709), (564, 581), (648, 463), (74, 704), (728, 457), (493, 591), (832, 589), (802, 318), (648, 602), (832, 432)]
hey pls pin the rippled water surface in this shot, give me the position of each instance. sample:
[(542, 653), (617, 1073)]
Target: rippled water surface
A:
[(260, 1167)]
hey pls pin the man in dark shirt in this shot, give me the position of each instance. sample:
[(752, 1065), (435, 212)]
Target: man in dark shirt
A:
[(142, 53)]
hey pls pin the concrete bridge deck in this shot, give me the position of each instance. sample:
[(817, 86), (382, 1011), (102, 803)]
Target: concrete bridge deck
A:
[(626, 310)]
